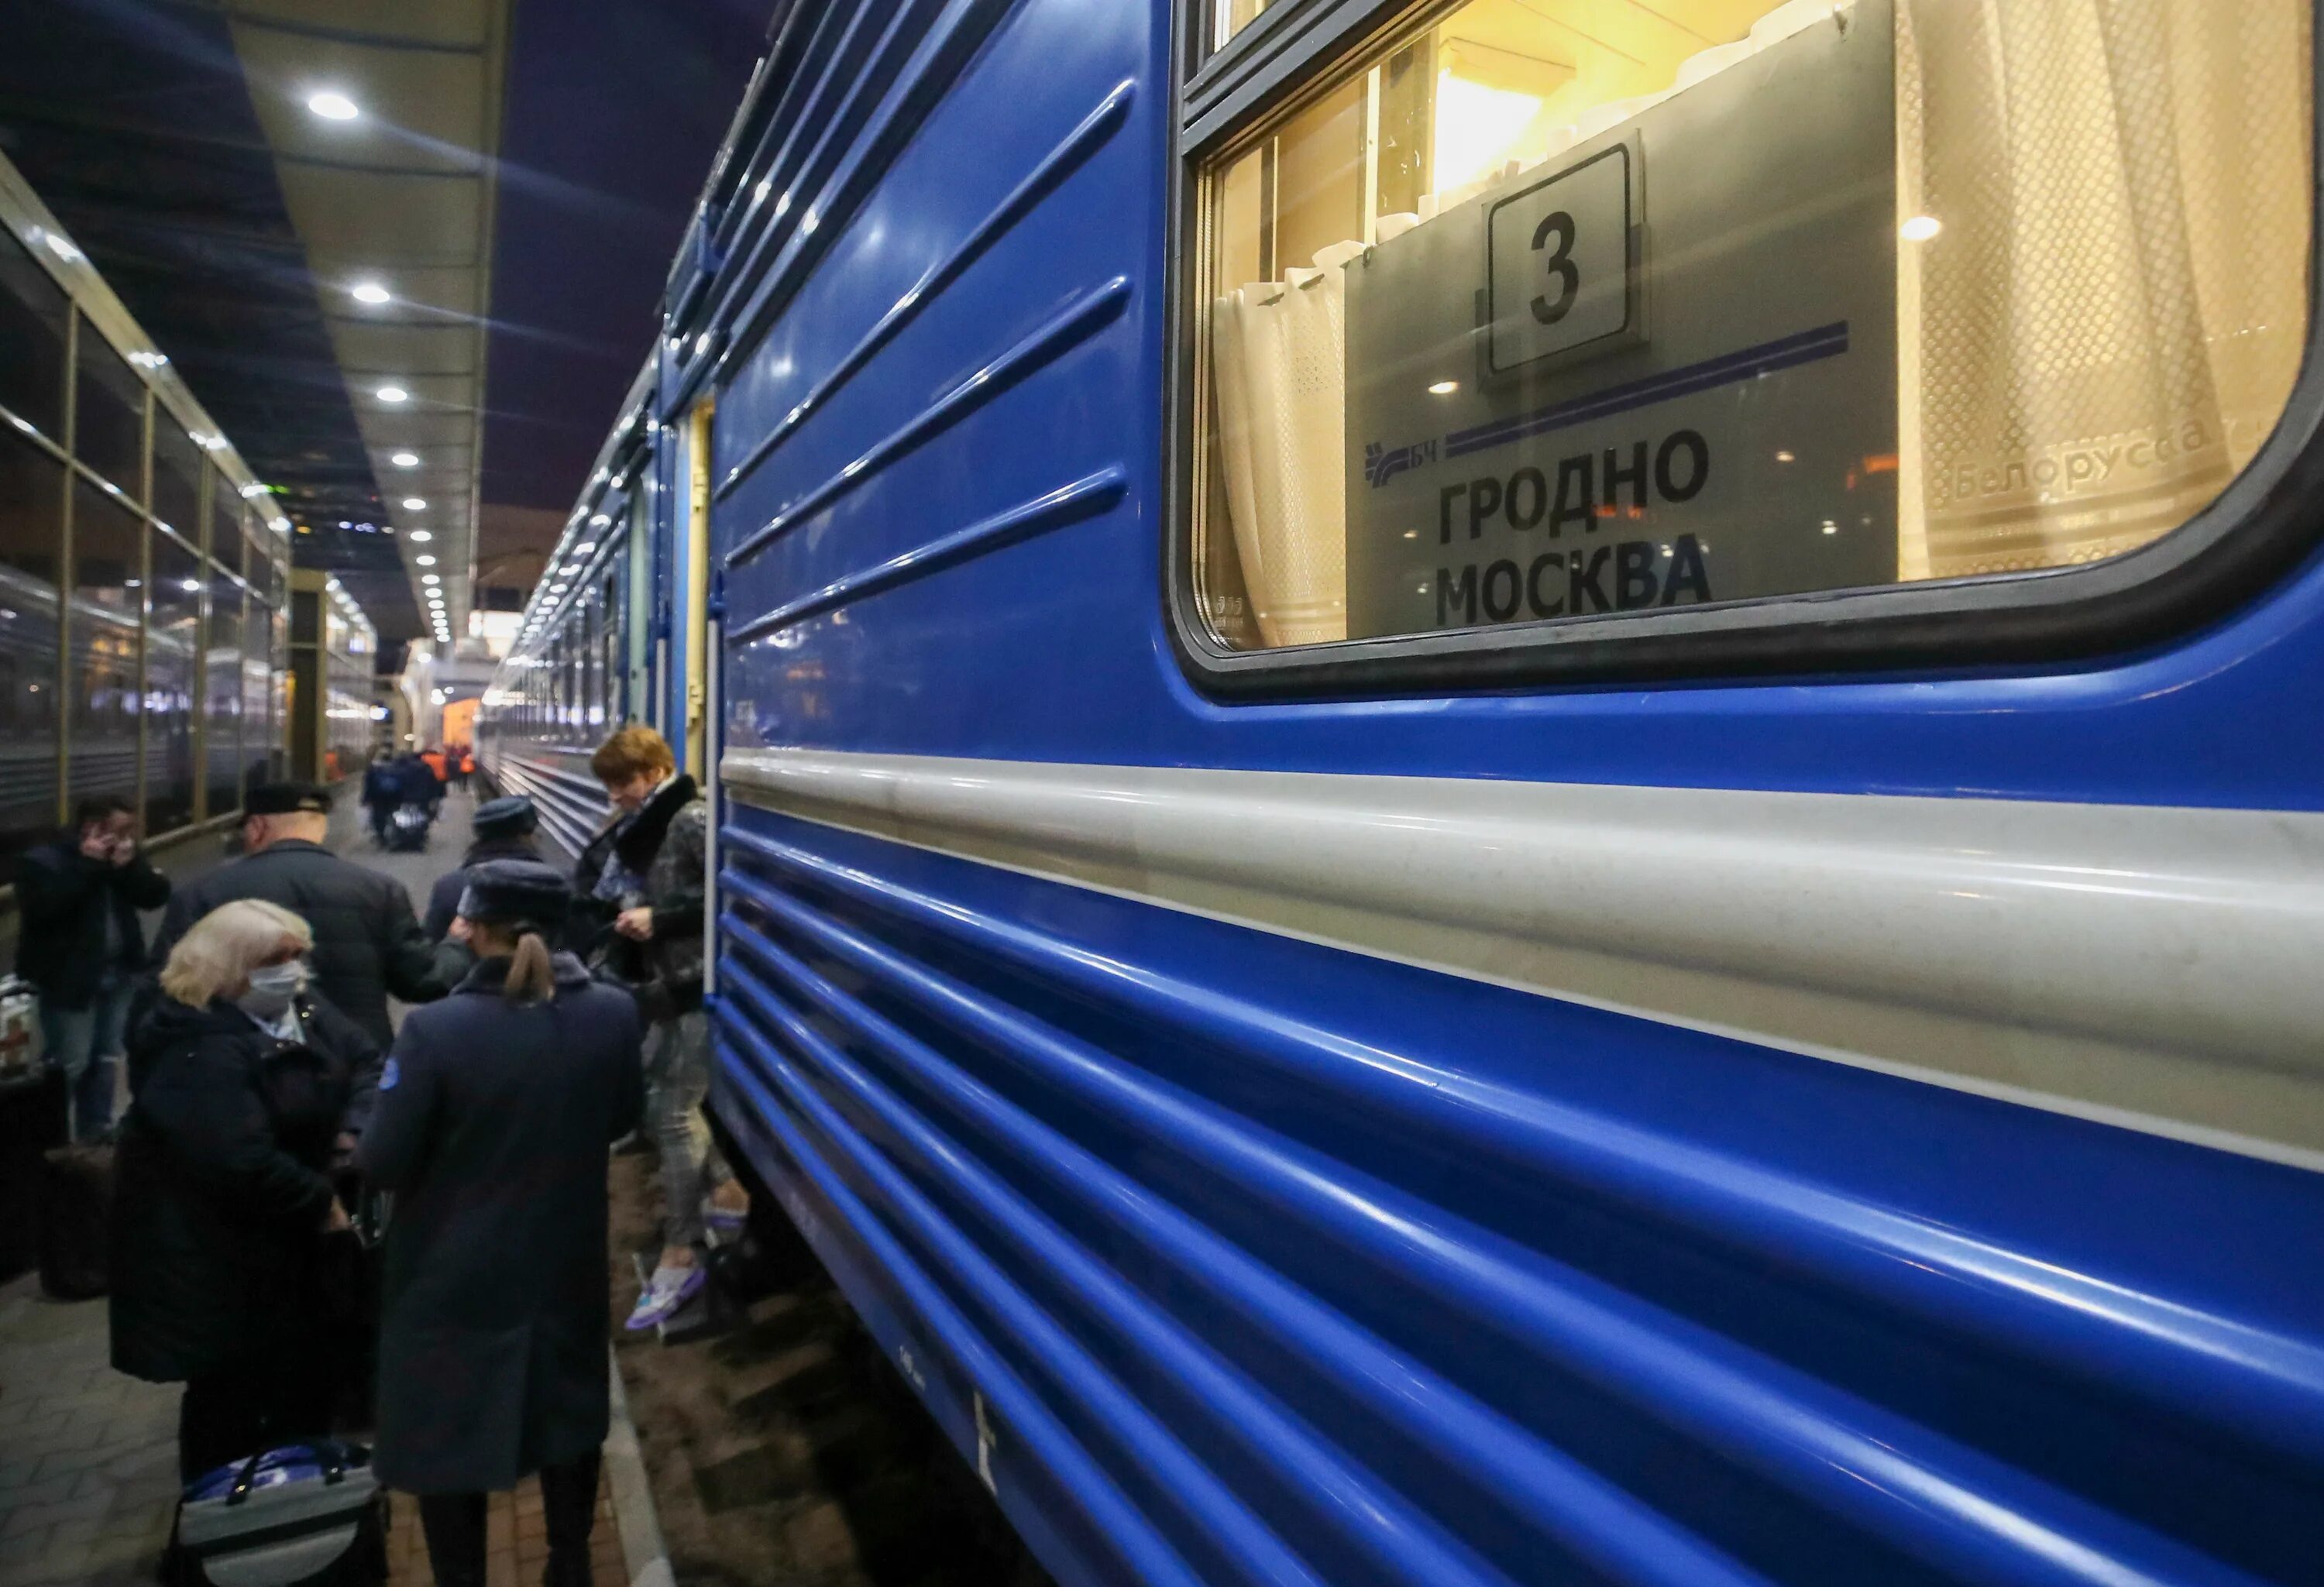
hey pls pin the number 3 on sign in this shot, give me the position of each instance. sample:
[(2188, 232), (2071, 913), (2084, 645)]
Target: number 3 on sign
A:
[(1558, 261)]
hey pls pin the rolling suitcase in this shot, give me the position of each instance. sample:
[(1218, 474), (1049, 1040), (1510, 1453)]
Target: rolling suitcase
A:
[(76, 1211), (303, 1515)]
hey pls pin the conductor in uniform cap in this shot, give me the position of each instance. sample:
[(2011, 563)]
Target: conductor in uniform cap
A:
[(494, 1113), (503, 829), (367, 941)]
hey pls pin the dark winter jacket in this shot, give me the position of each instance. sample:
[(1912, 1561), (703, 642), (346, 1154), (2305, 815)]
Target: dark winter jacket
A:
[(665, 845), (491, 1129), (63, 898), (367, 942), (444, 900), (221, 1186)]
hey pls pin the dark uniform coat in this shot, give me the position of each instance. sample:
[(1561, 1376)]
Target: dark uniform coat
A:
[(444, 898), (221, 1182), (492, 1128), (367, 942)]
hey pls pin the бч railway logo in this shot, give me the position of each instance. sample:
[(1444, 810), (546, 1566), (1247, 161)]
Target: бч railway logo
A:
[(1380, 464)]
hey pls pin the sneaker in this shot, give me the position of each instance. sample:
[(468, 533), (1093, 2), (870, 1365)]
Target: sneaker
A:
[(669, 1289)]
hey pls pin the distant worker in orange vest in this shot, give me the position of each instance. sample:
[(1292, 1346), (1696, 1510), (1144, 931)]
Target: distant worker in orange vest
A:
[(463, 766), (434, 760)]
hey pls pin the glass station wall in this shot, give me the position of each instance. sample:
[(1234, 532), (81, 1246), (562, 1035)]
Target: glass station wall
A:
[(172, 578)]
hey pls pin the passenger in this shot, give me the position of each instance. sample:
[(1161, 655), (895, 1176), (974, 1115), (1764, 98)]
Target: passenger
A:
[(367, 941), (421, 786), (494, 1116), (503, 829), (463, 767), (647, 870), (223, 1196), (80, 944), (382, 791), (433, 757)]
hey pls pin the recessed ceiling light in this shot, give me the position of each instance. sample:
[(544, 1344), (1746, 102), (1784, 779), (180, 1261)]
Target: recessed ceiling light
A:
[(190, 583), (368, 291), (599, 521), (1920, 228), (425, 561), (584, 548), (414, 504), (423, 536), (333, 106), (430, 578), (405, 459), (393, 394), (1444, 387)]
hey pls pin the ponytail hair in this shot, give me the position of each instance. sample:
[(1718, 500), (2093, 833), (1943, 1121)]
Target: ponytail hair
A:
[(531, 977), (532, 974)]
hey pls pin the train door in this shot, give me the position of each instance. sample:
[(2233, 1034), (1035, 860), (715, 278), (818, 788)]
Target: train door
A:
[(693, 597)]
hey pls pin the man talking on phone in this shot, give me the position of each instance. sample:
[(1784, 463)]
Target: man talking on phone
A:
[(81, 946)]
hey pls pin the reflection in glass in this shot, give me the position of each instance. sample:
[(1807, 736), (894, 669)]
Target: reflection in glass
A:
[(109, 415), (107, 598), (174, 636), (222, 714), (2054, 324), (177, 477), (258, 741), (32, 523), (32, 310)]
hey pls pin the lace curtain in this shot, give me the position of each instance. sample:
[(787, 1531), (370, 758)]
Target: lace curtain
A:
[(2111, 320)]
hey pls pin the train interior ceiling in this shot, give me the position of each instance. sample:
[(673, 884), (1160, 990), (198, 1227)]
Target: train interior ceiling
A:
[(1498, 791)]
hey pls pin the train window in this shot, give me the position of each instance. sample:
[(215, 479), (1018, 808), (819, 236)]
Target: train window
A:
[(32, 310), (1547, 321), (32, 524), (102, 629), (109, 415), (1230, 17)]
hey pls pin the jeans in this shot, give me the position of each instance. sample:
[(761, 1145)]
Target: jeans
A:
[(455, 1526), (85, 1045), (677, 1077)]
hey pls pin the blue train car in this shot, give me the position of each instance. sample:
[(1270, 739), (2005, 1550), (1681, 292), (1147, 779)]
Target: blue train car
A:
[(1522, 791)]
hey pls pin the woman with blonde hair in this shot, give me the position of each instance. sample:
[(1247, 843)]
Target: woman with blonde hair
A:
[(247, 1087), (494, 1116)]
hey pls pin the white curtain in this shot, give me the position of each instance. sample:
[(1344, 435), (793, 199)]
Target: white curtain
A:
[(1278, 353), (2109, 320)]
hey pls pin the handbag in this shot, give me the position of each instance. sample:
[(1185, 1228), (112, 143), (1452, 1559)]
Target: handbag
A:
[(300, 1514)]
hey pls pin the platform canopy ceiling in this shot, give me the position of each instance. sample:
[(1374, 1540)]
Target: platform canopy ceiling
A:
[(296, 199)]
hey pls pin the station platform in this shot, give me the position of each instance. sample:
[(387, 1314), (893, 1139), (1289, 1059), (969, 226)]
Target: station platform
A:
[(773, 1446)]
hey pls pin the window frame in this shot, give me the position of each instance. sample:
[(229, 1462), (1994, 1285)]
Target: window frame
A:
[(2269, 518)]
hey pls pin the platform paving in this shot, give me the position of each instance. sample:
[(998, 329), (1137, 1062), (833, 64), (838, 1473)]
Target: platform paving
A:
[(88, 1455)]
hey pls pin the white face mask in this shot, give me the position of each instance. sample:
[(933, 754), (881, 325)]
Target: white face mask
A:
[(271, 989)]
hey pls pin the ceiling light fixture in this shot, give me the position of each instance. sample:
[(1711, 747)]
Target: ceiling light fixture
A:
[(430, 578), (368, 291), (393, 394), (423, 536), (405, 459), (425, 561), (414, 504), (333, 106)]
